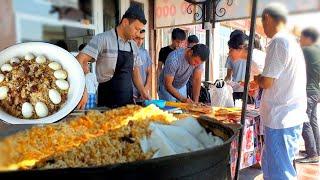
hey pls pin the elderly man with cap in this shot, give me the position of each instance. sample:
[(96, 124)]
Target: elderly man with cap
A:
[(284, 100), (117, 66)]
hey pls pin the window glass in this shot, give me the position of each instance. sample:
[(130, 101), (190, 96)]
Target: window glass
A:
[(64, 36), (73, 10), (110, 14)]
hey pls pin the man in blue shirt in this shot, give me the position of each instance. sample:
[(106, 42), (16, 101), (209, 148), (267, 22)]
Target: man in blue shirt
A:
[(236, 71), (145, 68), (180, 65)]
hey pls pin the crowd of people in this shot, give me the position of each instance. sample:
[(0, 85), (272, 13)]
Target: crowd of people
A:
[(285, 76)]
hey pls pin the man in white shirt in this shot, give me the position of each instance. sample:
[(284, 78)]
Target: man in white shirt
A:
[(284, 102), (91, 86)]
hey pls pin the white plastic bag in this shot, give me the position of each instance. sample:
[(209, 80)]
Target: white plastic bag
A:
[(236, 86), (221, 94)]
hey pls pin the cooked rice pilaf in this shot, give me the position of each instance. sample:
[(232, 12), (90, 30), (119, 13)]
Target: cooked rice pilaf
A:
[(91, 140)]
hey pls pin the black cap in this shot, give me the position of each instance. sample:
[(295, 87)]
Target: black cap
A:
[(178, 34), (193, 39), (201, 50), (135, 12), (235, 32), (239, 41), (82, 46), (311, 33)]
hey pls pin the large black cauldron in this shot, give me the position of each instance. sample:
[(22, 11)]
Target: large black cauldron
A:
[(211, 163)]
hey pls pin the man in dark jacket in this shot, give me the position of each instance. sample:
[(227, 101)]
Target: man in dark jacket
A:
[(310, 130)]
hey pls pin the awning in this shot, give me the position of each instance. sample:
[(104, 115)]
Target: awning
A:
[(169, 13)]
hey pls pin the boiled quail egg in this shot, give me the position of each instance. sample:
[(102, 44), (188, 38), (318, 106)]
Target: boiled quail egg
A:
[(27, 110), (62, 84), (1, 77), (40, 59), (60, 74), (41, 109), (6, 68), (55, 66), (54, 96), (14, 60), (3, 92), (29, 57)]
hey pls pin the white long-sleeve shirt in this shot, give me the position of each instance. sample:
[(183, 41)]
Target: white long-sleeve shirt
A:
[(284, 104), (91, 83)]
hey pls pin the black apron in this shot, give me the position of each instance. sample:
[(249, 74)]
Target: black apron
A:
[(118, 90)]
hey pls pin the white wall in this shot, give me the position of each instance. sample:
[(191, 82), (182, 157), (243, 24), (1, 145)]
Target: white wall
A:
[(124, 5), (98, 16), (215, 53)]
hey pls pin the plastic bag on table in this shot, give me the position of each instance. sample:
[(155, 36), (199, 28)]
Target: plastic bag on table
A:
[(221, 94), (236, 86)]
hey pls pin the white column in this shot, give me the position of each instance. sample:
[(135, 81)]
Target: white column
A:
[(98, 15), (124, 5), (215, 53)]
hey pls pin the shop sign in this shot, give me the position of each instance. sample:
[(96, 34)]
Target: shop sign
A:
[(173, 12), (170, 13), (240, 9)]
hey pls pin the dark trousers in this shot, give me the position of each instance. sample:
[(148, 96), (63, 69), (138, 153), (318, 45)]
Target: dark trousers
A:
[(238, 95), (310, 131)]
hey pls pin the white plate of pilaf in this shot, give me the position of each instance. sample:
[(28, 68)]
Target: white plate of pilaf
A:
[(39, 83)]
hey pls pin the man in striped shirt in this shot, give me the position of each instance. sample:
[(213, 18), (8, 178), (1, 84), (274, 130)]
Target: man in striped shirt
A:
[(117, 67), (180, 65)]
